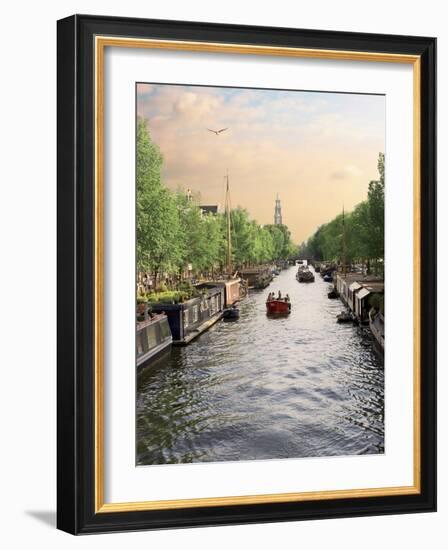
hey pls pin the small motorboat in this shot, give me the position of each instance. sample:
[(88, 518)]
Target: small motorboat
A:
[(345, 317), (305, 276), (275, 307), (333, 294), (231, 313)]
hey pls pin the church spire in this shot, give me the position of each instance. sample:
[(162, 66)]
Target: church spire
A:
[(278, 212)]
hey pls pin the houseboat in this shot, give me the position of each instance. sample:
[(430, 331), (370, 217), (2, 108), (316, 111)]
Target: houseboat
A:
[(349, 284), (256, 277), (283, 264), (362, 299), (191, 318), (153, 337), (376, 324), (234, 290), (351, 294)]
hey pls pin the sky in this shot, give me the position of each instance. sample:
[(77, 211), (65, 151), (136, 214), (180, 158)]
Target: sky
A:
[(317, 150)]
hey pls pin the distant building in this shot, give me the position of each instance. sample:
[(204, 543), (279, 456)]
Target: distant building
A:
[(209, 209), (278, 212)]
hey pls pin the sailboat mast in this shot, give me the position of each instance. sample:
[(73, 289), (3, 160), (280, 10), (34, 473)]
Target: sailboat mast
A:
[(229, 235)]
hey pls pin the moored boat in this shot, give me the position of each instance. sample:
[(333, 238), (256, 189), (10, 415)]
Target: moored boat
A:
[(257, 277), (152, 338), (327, 271), (231, 313), (234, 290), (333, 293), (192, 317), (305, 276), (345, 317), (376, 323)]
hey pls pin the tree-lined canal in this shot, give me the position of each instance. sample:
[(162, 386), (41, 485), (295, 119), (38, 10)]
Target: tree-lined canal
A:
[(261, 387)]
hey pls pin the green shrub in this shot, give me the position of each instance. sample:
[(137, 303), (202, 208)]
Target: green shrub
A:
[(184, 291), (186, 286), (168, 297)]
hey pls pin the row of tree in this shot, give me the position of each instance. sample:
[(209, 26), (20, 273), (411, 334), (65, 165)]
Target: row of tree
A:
[(173, 233), (355, 237)]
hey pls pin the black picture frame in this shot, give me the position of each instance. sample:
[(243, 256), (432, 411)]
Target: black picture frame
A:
[(76, 273)]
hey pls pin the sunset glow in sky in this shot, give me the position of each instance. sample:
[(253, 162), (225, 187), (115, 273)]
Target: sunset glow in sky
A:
[(318, 151)]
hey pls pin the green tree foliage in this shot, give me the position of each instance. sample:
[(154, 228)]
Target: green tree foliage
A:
[(243, 237), (254, 244), (215, 250), (363, 230), (375, 201), (279, 240), (201, 236), (262, 246), (173, 232), (158, 224)]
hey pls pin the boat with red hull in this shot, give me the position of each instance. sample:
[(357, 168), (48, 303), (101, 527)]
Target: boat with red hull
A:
[(274, 307)]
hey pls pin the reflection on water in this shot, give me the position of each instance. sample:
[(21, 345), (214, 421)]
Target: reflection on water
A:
[(261, 387)]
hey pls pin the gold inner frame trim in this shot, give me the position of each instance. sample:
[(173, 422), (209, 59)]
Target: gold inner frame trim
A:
[(101, 42)]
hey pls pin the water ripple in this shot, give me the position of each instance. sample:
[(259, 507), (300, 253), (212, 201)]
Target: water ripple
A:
[(265, 388)]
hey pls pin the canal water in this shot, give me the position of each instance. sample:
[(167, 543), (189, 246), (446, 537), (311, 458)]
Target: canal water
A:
[(262, 387)]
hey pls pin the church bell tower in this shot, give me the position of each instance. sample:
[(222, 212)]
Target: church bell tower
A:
[(278, 212)]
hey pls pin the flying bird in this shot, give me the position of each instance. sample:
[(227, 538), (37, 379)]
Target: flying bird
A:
[(217, 132)]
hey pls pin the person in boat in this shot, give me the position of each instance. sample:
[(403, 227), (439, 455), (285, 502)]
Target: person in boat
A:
[(287, 299), (279, 297), (269, 297)]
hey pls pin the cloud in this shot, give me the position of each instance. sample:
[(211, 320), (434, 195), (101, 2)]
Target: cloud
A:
[(294, 143), (346, 172)]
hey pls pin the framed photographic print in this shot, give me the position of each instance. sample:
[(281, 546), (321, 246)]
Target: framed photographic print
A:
[(246, 274)]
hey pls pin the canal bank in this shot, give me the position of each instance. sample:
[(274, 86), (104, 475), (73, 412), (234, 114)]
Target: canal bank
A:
[(266, 387)]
